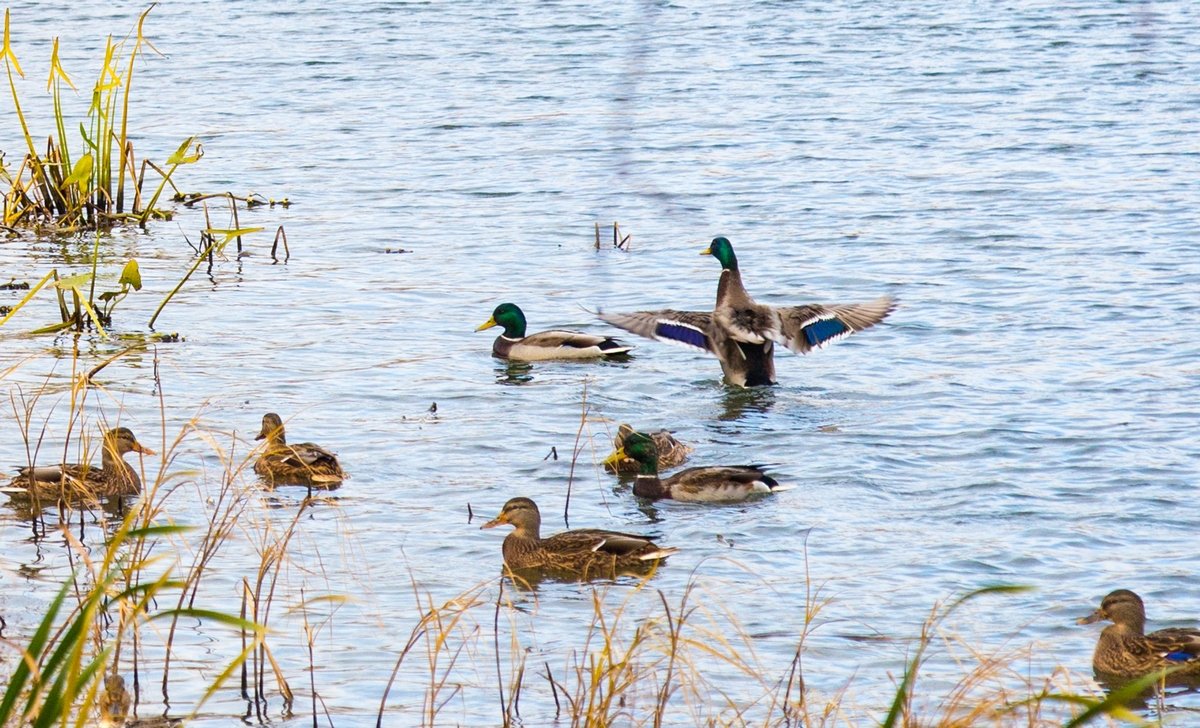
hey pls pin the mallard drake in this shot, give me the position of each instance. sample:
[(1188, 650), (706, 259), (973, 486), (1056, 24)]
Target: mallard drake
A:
[(1124, 650), (586, 552), (514, 344), (742, 333), (114, 477), (671, 452), (300, 463), (708, 484)]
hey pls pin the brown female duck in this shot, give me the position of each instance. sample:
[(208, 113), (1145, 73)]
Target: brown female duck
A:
[(671, 452), (514, 344), (708, 484), (114, 477), (301, 463), (742, 333), (1124, 650), (586, 552)]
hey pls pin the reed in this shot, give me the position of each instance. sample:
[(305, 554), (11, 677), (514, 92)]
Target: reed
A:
[(79, 184), (73, 666), (643, 657)]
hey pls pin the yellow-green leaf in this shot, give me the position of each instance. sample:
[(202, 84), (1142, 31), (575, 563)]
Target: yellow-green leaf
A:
[(81, 174), (56, 69), (131, 275), (77, 281), (181, 155), (7, 52)]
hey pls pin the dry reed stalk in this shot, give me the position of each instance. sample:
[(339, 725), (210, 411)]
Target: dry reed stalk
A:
[(575, 450)]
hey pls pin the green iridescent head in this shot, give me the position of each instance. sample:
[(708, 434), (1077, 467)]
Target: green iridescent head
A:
[(722, 250), (639, 447), (508, 316)]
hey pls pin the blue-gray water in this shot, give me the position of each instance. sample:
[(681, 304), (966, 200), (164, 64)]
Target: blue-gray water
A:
[(1022, 177)]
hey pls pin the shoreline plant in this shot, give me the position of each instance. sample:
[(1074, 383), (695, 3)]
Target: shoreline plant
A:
[(84, 185)]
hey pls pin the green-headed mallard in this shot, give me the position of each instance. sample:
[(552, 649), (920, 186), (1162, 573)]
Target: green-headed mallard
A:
[(742, 333), (707, 484), (1124, 650), (587, 552), (114, 477), (301, 463), (671, 452), (514, 344)]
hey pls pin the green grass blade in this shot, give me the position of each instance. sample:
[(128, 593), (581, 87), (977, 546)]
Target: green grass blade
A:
[(1115, 702), (910, 671), (212, 615), (32, 654), (151, 531)]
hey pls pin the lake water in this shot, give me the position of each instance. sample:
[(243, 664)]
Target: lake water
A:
[(1023, 177)]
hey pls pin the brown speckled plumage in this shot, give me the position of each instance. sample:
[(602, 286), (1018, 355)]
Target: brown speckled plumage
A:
[(301, 463), (71, 481), (1125, 651), (585, 552)]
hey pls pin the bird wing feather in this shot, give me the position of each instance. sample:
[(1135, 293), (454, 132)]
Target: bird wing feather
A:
[(687, 328), (813, 326)]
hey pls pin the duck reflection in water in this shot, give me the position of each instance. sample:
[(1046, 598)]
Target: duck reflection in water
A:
[(740, 401), (514, 373)]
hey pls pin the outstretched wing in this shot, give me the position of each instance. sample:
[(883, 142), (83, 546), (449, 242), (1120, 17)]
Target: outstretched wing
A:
[(689, 328), (804, 328)]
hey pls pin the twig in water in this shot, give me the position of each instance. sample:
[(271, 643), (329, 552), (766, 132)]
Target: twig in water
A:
[(496, 643), (553, 691), (280, 235), (575, 456)]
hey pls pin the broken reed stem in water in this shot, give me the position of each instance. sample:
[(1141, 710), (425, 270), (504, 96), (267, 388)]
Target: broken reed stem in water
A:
[(280, 236), (619, 242)]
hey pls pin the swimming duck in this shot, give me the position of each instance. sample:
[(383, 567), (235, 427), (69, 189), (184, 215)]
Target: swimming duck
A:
[(1125, 651), (742, 333), (114, 477), (671, 452), (708, 484), (586, 552), (514, 344), (300, 463)]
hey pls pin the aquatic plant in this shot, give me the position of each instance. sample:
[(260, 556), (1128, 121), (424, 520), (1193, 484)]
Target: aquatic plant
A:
[(65, 191), (71, 190)]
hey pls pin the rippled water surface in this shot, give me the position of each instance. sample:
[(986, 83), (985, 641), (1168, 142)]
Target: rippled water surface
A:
[(1022, 177)]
